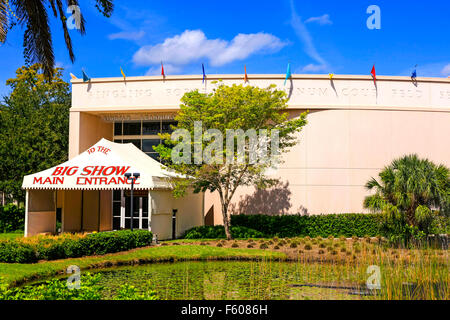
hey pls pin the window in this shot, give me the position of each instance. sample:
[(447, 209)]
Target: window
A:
[(132, 128), (143, 134), (148, 144), (118, 128), (151, 127), (166, 126)]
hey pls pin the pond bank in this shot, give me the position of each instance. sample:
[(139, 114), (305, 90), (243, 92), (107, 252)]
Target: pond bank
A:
[(18, 274)]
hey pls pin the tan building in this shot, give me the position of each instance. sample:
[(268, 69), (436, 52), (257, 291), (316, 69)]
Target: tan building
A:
[(355, 128)]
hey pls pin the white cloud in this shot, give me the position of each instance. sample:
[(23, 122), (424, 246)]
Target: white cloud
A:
[(322, 20), (314, 67), (303, 33), (446, 70), (193, 45), (127, 35)]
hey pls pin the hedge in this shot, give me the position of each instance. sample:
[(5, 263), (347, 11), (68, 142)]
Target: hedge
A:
[(218, 232), (71, 246), (12, 218), (350, 224)]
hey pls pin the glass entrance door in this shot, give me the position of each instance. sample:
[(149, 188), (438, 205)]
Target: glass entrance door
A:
[(140, 212), (121, 209)]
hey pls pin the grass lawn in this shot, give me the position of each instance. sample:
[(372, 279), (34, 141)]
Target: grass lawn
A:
[(14, 273)]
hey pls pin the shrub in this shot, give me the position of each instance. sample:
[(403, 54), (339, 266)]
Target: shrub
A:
[(293, 245), (263, 246), (235, 245), (308, 246), (333, 225), (29, 250), (12, 218), (218, 232)]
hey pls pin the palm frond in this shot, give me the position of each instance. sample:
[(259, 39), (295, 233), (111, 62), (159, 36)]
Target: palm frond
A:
[(38, 46), (3, 21), (106, 7), (67, 38)]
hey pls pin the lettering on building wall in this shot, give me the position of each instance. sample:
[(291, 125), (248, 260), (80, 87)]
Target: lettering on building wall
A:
[(112, 117)]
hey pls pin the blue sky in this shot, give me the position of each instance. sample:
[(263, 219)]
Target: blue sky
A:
[(314, 36)]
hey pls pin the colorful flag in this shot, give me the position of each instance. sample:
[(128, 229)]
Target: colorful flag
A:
[(374, 75), (204, 74), (245, 74), (73, 76), (123, 74), (331, 76), (414, 74), (288, 73), (85, 76), (162, 70)]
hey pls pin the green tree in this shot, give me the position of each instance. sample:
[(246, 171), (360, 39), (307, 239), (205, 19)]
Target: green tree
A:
[(33, 15), (229, 107), (34, 126), (411, 193)]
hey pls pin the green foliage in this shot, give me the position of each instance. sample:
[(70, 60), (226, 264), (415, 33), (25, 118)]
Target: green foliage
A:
[(12, 218), (235, 107), (55, 290), (313, 226), (412, 194), (52, 248), (34, 127), (129, 292), (218, 232)]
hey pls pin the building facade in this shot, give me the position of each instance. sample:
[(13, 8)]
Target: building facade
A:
[(355, 128)]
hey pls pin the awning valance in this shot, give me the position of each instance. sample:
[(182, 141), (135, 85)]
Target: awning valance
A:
[(102, 167)]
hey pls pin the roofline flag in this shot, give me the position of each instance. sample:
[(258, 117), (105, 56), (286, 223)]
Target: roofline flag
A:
[(123, 74), (162, 70), (288, 73), (74, 77), (245, 74), (414, 73), (374, 75), (85, 76), (204, 74)]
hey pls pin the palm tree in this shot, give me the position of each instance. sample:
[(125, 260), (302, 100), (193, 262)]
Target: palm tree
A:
[(410, 189), (33, 15)]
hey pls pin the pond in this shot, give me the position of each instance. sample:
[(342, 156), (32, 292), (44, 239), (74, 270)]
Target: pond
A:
[(217, 280)]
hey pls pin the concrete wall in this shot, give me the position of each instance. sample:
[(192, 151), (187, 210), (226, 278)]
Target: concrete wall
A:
[(41, 215), (190, 212), (339, 151), (71, 213), (85, 130), (84, 210)]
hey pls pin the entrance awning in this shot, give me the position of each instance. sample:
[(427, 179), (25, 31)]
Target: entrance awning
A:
[(102, 167)]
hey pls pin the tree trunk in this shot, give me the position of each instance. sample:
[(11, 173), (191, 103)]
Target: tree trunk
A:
[(226, 220)]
